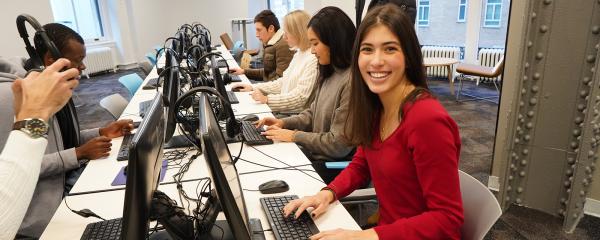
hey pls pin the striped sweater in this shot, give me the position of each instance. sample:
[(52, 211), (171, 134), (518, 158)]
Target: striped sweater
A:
[(290, 92)]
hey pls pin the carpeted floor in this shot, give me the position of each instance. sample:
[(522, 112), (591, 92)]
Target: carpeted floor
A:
[(477, 124)]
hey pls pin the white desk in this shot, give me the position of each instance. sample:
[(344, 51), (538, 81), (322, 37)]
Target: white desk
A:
[(109, 205), (99, 174)]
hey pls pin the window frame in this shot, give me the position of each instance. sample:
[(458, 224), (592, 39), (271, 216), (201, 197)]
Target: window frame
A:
[(493, 23), (289, 7), (464, 6), (102, 18), (421, 10)]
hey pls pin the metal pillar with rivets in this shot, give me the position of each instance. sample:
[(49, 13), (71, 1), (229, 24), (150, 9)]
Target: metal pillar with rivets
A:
[(554, 127)]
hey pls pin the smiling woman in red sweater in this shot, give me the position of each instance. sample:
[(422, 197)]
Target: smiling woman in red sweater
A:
[(408, 144)]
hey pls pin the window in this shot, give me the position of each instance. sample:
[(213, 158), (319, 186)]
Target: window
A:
[(423, 13), (493, 13), (462, 10), (83, 16), (283, 7)]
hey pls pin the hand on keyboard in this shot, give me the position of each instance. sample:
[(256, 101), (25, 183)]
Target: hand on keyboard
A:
[(269, 121), (276, 133), (98, 147), (117, 128), (320, 202)]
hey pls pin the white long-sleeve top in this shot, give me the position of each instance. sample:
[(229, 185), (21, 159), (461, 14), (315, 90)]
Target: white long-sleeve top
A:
[(20, 163), (290, 92)]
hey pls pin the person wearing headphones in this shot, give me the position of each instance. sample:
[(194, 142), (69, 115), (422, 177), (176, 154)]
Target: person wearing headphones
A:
[(276, 54), (37, 97), (68, 148)]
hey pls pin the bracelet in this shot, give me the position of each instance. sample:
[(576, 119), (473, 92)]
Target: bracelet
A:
[(332, 192)]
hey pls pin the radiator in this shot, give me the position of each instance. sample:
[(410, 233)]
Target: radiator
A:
[(489, 57), (439, 51), (98, 59)]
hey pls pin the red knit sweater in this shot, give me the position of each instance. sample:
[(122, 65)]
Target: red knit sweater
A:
[(415, 174)]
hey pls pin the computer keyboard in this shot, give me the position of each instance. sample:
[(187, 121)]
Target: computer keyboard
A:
[(232, 98), (221, 63), (123, 154), (144, 106), (151, 84), (104, 230), (252, 134), (235, 78), (287, 228)]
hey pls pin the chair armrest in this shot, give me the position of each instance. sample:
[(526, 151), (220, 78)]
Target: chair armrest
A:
[(337, 165), (360, 195)]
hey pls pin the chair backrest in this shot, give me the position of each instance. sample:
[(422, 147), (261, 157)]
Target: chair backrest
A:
[(132, 82), (115, 104), (152, 58), (481, 209), (226, 39)]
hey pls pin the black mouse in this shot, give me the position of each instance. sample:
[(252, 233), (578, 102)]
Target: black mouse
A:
[(125, 170), (237, 88), (250, 118), (273, 186)]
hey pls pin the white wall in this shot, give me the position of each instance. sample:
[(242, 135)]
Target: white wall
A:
[(138, 25), (12, 44), (313, 6), (155, 20)]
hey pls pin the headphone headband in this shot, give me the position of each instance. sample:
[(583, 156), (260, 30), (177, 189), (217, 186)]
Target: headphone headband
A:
[(39, 31)]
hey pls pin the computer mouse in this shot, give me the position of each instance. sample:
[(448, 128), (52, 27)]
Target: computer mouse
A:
[(250, 118), (125, 170), (273, 186), (237, 88)]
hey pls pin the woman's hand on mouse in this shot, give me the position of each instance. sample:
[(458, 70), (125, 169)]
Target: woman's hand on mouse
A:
[(276, 133), (269, 121), (243, 87), (320, 202)]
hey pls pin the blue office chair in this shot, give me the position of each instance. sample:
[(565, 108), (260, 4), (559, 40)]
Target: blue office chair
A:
[(152, 58), (132, 82), (157, 48)]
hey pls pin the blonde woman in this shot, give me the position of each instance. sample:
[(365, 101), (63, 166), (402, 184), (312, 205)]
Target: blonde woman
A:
[(290, 92)]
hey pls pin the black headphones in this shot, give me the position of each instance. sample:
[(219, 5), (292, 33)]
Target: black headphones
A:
[(39, 31), (232, 125)]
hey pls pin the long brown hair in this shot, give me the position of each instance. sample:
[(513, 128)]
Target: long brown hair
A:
[(365, 106)]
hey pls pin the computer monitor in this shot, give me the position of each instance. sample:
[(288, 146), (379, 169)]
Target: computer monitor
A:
[(171, 93), (223, 172), (143, 171), (232, 125), (179, 45), (217, 77)]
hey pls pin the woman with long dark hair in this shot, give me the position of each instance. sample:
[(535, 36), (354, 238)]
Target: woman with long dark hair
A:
[(319, 129), (408, 145)]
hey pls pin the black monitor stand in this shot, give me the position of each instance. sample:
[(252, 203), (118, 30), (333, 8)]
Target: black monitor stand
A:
[(221, 230), (178, 141)]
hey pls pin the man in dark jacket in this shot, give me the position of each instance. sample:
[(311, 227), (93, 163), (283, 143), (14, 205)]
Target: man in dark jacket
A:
[(277, 53)]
